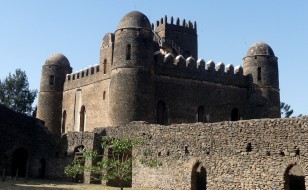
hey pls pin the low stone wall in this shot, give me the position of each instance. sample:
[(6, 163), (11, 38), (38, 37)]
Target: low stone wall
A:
[(252, 154)]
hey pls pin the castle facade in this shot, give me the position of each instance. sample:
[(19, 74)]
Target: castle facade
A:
[(152, 74)]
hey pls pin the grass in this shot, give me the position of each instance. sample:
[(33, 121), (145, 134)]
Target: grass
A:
[(36, 184)]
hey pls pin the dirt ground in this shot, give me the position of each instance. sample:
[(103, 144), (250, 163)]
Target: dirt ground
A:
[(35, 184)]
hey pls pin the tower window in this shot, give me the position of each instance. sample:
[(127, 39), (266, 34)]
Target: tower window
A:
[(104, 95), (259, 73), (105, 66), (128, 52), (82, 118), (200, 114), (51, 80)]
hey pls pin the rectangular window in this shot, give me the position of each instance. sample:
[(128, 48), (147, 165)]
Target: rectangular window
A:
[(51, 80), (259, 73)]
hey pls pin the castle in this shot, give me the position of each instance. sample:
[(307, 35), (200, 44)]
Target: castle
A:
[(223, 127), (155, 76)]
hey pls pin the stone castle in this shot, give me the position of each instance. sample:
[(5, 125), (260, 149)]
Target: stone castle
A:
[(155, 76), (203, 122)]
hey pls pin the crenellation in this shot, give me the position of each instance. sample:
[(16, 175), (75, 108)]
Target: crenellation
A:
[(220, 67), (210, 65), (191, 63), (238, 70), (201, 64), (230, 69)]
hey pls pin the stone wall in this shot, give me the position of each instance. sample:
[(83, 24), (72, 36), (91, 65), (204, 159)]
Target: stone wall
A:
[(252, 154)]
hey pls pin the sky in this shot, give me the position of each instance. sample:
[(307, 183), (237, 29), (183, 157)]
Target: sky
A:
[(31, 30)]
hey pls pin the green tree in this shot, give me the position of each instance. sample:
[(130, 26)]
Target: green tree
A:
[(285, 110), (15, 92), (116, 167)]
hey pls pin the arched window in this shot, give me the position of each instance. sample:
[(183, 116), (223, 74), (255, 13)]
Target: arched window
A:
[(294, 178), (235, 115), (128, 52), (63, 122), (82, 118), (51, 80), (200, 114), (19, 162), (259, 74), (105, 66), (198, 177), (104, 95), (161, 113)]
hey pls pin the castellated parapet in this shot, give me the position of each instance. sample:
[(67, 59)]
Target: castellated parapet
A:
[(154, 74)]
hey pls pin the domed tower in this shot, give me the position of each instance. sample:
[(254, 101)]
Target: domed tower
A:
[(51, 91), (261, 64), (131, 84)]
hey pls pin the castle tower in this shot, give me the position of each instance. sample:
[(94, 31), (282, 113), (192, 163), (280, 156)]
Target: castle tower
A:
[(261, 64), (180, 36), (131, 84), (51, 91)]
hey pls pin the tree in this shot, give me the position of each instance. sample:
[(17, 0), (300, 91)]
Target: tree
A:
[(285, 110), (117, 166), (15, 92)]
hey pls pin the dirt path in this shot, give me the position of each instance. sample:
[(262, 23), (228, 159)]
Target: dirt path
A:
[(30, 184)]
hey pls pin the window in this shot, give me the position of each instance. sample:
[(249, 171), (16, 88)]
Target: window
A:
[(105, 66), (235, 115), (259, 73), (161, 115), (200, 114), (128, 52), (104, 95), (51, 80), (63, 122), (82, 118), (92, 70)]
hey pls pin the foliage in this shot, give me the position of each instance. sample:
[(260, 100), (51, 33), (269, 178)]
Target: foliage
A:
[(15, 92), (117, 166), (147, 159), (285, 110)]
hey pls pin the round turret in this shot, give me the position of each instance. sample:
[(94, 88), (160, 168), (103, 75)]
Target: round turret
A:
[(135, 19), (49, 107), (261, 65), (131, 84)]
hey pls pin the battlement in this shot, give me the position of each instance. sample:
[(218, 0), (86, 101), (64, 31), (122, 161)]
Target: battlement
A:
[(84, 77), (182, 25), (189, 68)]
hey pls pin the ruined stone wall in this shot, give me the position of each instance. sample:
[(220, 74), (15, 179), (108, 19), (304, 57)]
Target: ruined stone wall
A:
[(251, 154)]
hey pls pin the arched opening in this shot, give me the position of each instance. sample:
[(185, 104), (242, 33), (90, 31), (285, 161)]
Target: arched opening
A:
[(104, 95), (200, 114), (78, 154), (51, 80), (294, 178), (42, 168), (63, 122), (235, 115), (161, 113), (82, 118), (128, 51), (19, 162), (198, 177), (105, 66)]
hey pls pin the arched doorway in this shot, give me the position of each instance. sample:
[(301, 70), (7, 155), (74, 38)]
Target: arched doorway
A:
[(42, 168), (82, 118), (161, 115), (200, 114), (78, 154), (294, 178), (235, 114), (198, 177), (19, 162)]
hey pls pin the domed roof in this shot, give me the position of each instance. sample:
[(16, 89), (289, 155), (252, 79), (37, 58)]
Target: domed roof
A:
[(57, 59), (260, 48), (135, 19)]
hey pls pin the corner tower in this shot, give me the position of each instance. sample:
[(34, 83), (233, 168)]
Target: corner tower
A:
[(131, 84), (261, 65), (51, 91)]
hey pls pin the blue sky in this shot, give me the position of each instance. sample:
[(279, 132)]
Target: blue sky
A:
[(31, 30)]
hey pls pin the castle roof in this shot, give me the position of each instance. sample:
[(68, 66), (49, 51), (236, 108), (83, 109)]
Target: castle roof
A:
[(135, 19), (57, 59), (260, 48)]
